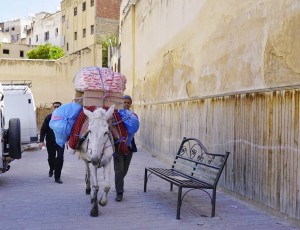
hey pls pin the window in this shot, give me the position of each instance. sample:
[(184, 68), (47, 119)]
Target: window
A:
[(75, 35), (84, 33), (63, 18), (67, 46), (75, 11), (56, 32), (12, 28), (5, 51), (46, 36), (21, 53), (92, 2), (83, 6), (29, 41), (92, 29), (36, 38)]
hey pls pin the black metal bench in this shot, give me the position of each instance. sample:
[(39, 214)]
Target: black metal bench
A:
[(193, 168)]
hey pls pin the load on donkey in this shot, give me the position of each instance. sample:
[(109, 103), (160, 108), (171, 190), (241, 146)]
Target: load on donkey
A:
[(98, 127), (98, 87)]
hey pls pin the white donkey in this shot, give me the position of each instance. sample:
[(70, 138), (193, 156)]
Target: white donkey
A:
[(97, 151)]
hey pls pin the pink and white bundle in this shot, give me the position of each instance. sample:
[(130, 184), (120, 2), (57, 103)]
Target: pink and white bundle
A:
[(99, 78)]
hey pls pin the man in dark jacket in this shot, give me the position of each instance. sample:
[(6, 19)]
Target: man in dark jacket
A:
[(55, 152)]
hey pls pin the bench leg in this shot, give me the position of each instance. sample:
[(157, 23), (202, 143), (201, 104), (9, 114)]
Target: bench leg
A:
[(179, 201), (145, 180), (213, 202), (171, 186)]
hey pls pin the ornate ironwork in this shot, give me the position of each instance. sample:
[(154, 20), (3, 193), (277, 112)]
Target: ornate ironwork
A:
[(193, 153), (182, 151), (194, 168)]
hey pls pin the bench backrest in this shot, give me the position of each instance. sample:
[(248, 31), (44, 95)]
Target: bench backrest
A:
[(196, 162)]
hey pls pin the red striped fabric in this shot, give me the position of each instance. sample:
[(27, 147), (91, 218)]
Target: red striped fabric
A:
[(117, 120), (74, 137)]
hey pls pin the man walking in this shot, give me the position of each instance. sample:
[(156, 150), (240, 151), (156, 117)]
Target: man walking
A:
[(55, 152), (122, 160)]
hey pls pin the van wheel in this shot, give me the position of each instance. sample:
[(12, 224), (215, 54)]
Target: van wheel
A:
[(14, 138)]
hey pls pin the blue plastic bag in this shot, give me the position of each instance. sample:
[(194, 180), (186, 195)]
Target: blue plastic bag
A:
[(131, 122), (62, 121)]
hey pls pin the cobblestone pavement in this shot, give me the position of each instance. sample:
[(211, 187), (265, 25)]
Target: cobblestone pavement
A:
[(31, 200)]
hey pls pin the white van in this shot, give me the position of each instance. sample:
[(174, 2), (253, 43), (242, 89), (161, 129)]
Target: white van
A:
[(19, 103), (10, 139)]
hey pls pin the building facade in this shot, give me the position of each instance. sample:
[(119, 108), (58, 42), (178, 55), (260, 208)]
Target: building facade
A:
[(16, 29), (17, 37), (9, 50), (84, 21), (77, 28), (44, 28)]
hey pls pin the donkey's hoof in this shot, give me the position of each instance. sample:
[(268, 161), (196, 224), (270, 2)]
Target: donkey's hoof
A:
[(102, 202), (94, 213), (88, 191)]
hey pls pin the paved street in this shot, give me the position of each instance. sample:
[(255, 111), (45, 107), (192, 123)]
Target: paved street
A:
[(31, 200)]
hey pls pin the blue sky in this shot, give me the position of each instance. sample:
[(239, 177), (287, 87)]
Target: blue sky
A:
[(21, 9)]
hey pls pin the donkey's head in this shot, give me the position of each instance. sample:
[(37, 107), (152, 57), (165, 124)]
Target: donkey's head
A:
[(98, 133)]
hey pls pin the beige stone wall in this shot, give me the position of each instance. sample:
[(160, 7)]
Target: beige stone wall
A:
[(51, 80), (219, 71), (128, 49), (210, 47)]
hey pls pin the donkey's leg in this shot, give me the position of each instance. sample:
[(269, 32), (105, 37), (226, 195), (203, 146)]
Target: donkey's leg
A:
[(106, 172), (87, 179), (95, 187)]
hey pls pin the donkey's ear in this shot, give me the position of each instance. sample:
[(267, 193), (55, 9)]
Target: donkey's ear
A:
[(110, 112), (87, 112)]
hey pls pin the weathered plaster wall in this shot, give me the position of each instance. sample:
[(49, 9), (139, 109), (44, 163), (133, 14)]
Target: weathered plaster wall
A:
[(128, 49), (49, 83), (199, 48), (51, 80), (220, 70)]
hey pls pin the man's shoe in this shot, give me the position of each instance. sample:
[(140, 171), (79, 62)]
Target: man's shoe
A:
[(50, 173), (119, 197), (59, 181)]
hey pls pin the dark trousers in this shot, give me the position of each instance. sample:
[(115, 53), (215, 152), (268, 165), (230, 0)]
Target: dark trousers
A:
[(121, 166), (55, 159)]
